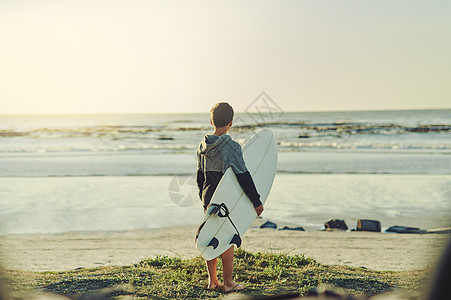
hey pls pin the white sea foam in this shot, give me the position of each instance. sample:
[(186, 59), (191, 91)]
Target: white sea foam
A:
[(393, 130)]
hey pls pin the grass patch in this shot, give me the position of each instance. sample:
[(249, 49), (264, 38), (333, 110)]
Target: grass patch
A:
[(173, 278)]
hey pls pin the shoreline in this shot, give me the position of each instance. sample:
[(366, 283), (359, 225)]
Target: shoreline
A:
[(69, 251), (64, 204)]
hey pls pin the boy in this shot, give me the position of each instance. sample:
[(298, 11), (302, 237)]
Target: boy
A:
[(216, 153)]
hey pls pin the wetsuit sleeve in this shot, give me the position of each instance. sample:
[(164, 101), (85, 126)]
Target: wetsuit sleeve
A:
[(200, 176), (247, 184), (242, 174)]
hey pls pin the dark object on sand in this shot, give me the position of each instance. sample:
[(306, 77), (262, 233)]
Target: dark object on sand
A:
[(440, 230), (335, 224), (368, 225), (299, 228), (269, 224), (165, 138), (402, 229), (303, 137)]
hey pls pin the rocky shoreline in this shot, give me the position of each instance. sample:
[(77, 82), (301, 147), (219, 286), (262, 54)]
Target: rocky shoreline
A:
[(363, 225)]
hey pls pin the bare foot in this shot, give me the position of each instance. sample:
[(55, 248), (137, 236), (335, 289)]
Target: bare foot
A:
[(233, 287), (214, 285)]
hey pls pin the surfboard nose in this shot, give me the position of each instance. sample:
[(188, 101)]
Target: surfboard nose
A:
[(266, 133)]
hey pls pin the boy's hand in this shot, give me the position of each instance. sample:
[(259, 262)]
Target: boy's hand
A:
[(259, 210)]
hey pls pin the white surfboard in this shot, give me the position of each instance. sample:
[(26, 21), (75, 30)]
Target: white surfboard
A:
[(217, 234)]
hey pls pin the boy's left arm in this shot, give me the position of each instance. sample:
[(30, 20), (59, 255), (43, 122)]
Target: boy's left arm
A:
[(244, 177), (247, 184), (200, 176)]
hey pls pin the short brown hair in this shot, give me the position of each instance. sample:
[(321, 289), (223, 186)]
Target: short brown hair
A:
[(221, 114)]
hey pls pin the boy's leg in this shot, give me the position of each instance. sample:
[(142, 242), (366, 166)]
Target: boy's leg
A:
[(213, 281), (227, 267)]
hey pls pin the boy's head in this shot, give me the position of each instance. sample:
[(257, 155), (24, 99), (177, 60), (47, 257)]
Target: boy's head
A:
[(221, 114)]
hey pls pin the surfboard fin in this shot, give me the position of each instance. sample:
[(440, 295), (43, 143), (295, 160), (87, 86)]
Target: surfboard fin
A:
[(236, 240), (214, 243)]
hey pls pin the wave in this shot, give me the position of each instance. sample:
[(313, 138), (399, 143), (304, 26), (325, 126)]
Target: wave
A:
[(99, 148), (283, 147), (360, 146), (97, 131), (307, 129), (334, 128)]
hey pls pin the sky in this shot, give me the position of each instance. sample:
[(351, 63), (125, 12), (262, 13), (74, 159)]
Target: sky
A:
[(136, 56)]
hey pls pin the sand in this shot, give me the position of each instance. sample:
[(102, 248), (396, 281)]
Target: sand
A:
[(377, 251)]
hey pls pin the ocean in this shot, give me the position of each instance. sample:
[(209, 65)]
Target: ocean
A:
[(62, 173)]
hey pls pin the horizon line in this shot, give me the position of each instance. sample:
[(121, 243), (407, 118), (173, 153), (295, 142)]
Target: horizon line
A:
[(236, 112)]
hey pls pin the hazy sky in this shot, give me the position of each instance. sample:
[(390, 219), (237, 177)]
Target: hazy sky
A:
[(72, 56)]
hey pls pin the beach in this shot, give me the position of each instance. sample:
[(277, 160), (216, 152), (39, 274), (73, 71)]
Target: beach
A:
[(104, 190), (105, 177), (68, 251)]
